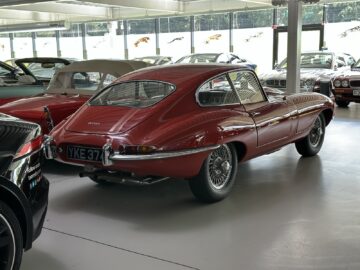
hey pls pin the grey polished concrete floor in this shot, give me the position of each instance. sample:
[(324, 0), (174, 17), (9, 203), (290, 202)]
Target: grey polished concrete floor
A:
[(285, 212)]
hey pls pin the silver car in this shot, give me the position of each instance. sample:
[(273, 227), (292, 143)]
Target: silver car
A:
[(314, 66)]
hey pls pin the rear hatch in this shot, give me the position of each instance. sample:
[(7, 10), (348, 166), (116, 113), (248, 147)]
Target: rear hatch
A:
[(106, 119)]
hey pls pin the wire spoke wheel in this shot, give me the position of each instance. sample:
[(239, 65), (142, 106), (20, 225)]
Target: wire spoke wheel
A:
[(220, 167), (311, 144), (7, 245), (316, 133)]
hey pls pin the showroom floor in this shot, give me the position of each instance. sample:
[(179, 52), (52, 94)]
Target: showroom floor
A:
[(285, 212)]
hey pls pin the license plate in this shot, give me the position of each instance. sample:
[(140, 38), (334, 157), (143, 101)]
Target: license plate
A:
[(356, 92), (84, 153)]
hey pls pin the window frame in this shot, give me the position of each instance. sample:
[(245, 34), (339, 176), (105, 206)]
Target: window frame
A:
[(226, 73), (257, 81), (88, 103)]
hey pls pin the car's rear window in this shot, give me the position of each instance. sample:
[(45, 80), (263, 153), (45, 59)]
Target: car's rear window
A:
[(138, 94)]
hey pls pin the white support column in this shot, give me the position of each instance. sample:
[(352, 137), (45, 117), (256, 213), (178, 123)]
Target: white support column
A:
[(294, 46)]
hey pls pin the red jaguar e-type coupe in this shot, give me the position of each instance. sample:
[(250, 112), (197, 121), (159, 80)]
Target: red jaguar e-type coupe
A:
[(70, 88), (186, 121)]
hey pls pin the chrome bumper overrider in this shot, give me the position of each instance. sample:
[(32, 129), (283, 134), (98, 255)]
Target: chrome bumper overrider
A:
[(49, 151), (109, 156)]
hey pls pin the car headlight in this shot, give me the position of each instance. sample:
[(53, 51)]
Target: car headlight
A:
[(337, 83), (345, 83), (309, 83)]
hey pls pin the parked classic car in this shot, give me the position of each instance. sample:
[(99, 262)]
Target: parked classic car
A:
[(186, 121), (222, 58), (30, 78), (155, 60), (314, 66), (23, 189), (70, 88), (346, 86)]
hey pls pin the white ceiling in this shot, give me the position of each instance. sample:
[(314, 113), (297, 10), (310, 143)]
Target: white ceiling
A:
[(31, 11)]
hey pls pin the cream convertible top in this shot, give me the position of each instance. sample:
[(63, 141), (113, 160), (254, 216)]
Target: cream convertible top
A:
[(88, 77)]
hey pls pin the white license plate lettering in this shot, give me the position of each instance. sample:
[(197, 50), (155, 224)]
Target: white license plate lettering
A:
[(356, 92), (83, 153)]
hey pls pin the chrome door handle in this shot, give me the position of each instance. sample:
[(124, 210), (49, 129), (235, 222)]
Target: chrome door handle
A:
[(254, 113)]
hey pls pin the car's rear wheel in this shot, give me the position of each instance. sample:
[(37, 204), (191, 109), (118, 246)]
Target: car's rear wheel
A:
[(11, 240), (217, 175), (311, 144), (342, 104)]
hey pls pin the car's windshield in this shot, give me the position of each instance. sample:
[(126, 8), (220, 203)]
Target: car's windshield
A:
[(76, 82), (138, 94), (43, 71), (357, 64), (198, 58), (312, 60)]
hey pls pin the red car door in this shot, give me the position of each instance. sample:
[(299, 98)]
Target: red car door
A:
[(274, 118), (275, 122)]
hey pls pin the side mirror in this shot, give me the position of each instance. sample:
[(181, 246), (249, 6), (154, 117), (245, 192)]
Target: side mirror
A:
[(352, 65)]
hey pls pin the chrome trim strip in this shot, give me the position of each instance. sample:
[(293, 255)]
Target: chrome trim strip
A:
[(311, 108), (161, 155)]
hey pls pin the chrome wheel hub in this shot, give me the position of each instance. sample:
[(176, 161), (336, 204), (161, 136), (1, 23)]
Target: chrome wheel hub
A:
[(219, 167)]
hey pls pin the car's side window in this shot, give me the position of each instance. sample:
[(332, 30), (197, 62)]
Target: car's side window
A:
[(223, 58), (4, 72), (247, 87), (217, 92)]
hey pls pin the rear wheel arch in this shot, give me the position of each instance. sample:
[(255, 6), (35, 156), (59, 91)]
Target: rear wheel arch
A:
[(21, 209), (328, 115), (241, 150)]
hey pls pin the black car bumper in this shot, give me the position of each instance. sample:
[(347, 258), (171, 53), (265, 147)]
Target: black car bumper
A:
[(38, 205)]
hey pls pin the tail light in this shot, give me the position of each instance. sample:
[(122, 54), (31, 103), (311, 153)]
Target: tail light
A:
[(136, 149), (30, 147)]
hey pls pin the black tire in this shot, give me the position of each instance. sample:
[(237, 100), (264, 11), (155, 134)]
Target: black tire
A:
[(217, 175), (342, 104), (311, 144), (11, 239)]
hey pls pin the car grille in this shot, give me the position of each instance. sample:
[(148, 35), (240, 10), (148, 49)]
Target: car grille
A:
[(355, 83), (276, 83)]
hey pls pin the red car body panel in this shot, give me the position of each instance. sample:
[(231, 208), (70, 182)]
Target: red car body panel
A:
[(32, 109), (178, 123), (61, 105)]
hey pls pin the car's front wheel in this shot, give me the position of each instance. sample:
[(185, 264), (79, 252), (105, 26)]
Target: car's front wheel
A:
[(311, 144), (217, 175), (342, 104), (11, 240)]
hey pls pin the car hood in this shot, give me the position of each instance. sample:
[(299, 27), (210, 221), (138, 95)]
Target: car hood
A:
[(106, 119), (350, 74), (34, 107), (305, 73)]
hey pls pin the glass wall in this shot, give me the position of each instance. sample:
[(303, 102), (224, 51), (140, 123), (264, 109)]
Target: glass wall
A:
[(211, 33), (175, 37), (23, 45), (71, 42), (253, 37), (141, 38), (5, 50), (46, 44), (102, 41)]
